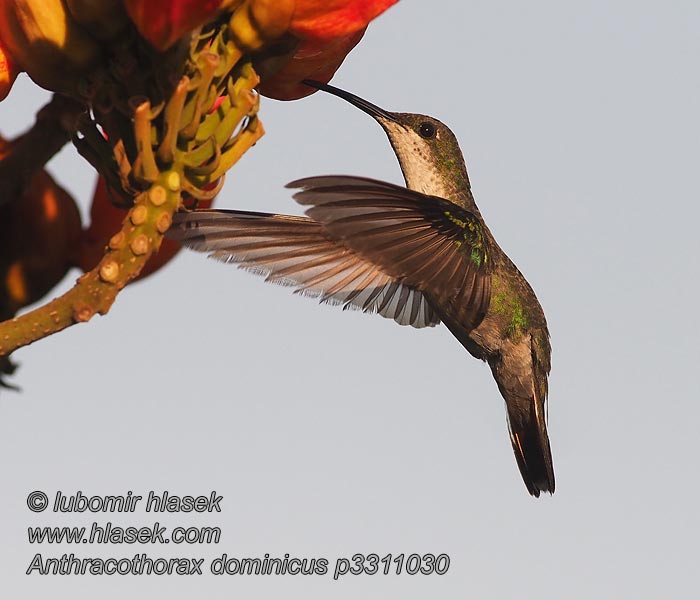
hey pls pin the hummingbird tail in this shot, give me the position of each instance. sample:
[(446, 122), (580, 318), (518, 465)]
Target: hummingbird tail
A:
[(528, 435)]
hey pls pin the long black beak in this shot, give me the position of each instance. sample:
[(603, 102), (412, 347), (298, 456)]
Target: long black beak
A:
[(362, 104)]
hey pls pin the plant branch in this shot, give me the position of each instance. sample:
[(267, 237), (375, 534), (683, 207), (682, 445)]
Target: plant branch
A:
[(126, 254), (55, 124)]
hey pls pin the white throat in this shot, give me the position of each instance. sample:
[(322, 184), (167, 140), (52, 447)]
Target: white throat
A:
[(414, 157)]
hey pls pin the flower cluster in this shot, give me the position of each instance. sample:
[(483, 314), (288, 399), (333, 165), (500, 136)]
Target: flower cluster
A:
[(166, 104), (318, 33), (59, 41)]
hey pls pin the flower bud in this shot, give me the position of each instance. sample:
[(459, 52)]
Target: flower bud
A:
[(39, 235)]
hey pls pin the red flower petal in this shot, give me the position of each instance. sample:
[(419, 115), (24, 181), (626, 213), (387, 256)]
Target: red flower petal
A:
[(327, 19), (313, 59), (163, 22), (8, 73)]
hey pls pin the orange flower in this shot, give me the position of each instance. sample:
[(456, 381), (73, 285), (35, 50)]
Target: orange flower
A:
[(328, 30), (163, 22), (8, 72)]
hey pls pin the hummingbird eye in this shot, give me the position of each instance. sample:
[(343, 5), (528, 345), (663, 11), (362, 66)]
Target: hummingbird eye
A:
[(427, 130)]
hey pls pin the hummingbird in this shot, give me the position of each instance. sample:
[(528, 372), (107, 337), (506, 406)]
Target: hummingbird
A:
[(420, 254)]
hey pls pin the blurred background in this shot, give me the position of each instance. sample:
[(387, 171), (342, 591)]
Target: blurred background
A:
[(330, 433)]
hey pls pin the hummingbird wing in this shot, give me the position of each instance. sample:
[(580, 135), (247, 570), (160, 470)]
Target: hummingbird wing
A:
[(297, 251), (428, 243)]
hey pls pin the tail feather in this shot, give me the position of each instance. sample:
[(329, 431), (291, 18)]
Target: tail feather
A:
[(528, 435)]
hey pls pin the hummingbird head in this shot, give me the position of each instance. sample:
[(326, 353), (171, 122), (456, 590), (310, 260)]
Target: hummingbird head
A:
[(428, 152)]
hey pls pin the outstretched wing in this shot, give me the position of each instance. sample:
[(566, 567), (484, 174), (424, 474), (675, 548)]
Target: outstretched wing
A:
[(297, 251), (427, 243)]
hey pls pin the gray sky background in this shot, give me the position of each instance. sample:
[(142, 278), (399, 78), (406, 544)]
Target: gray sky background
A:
[(330, 433)]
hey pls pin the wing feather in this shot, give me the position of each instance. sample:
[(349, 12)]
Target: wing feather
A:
[(297, 251), (366, 244), (425, 242)]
